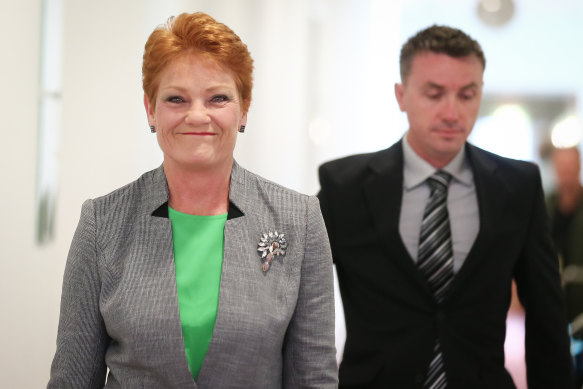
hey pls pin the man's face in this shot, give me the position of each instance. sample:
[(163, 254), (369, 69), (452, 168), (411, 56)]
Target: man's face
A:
[(567, 168), (441, 97)]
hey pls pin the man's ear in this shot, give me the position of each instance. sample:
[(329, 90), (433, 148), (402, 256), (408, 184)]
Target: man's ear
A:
[(399, 94)]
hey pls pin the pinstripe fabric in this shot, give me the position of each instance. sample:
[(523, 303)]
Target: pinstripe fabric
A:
[(436, 260), (119, 306)]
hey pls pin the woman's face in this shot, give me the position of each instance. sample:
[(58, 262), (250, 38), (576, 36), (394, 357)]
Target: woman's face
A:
[(197, 114)]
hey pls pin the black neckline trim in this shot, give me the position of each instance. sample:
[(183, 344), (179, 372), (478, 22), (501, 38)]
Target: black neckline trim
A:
[(232, 213)]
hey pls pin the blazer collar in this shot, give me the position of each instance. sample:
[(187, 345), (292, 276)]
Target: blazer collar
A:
[(383, 190), (238, 199), (158, 194), (159, 230), (491, 191)]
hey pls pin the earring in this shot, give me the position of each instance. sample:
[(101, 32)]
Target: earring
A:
[(152, 129), (242, 129)]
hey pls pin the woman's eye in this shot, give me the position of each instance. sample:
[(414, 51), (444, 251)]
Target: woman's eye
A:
[(219, 99), (175, 99)]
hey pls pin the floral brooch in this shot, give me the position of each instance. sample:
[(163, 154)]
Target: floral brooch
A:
[(270, 245)]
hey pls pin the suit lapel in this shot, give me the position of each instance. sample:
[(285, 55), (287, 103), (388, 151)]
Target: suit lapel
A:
[(384, 192), (490, 191), (158, 240), (236, 233), (160, 229)]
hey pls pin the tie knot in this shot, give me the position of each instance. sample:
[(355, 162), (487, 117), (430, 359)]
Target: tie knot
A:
[(439, 180)]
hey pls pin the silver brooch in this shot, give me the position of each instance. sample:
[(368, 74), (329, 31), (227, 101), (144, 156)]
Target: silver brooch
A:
[(270, 245)]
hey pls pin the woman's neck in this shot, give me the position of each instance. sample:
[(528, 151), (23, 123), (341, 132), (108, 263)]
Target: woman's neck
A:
[(198, 192)]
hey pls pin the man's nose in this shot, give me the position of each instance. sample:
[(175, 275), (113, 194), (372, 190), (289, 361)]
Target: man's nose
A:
[(451, 110)]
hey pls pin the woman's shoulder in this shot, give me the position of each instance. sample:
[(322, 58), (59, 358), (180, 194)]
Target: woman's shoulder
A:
[(255, 182), (141, 195), (257, 195)]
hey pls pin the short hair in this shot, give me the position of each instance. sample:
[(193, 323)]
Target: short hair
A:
[(196, 33), (439, 39)]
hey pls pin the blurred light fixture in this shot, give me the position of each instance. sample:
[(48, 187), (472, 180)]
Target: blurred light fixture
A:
[(566, 132), (495, 12), (507, 131)]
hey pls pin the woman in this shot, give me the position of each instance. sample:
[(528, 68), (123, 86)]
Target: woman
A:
[(199, 274)]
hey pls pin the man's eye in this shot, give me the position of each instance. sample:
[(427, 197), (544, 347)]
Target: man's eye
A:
[(434, 96)]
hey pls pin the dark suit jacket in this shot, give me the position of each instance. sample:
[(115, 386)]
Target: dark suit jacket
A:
[(392, 319)]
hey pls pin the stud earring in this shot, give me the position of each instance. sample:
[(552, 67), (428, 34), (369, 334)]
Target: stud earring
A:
[(242, 129), (152, 129)]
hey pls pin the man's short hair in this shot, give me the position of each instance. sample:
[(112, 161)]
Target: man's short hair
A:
[(439, 39)]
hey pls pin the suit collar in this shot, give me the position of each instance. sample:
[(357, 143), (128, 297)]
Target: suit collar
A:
[(417, 170), (157, 192), (157, 199), (159, 229), (491, 191), (238, 199), (384, 191)]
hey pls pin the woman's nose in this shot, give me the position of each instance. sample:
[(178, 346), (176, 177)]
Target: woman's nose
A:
[(197, 113)]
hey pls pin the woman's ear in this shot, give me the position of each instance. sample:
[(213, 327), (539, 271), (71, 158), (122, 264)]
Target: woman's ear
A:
[(149, 111)]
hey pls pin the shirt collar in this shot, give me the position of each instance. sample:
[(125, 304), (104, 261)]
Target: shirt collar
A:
[(417, 170)]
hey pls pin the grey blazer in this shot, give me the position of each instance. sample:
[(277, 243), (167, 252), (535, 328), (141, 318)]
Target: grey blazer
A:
[(119, 308)]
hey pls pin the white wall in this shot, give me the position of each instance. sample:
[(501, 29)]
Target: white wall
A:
[(330, 59), (29, 275)]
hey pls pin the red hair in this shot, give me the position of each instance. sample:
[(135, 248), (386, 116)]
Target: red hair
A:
[(196, 33)]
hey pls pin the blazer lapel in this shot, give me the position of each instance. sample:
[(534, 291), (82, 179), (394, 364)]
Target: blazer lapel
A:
[(158, 240), (384, 192), (236, 239), (491, 191)]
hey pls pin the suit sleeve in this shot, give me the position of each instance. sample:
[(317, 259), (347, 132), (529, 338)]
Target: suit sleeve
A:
[(82, 339), (539, 289), (309, 352)]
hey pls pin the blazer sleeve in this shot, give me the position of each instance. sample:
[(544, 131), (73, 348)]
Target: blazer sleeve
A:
[(309, 352), (79, 361), (539, 289), (325, 206)]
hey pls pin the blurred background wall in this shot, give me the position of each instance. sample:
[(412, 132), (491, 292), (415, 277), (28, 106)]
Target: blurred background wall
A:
[(73, 124)]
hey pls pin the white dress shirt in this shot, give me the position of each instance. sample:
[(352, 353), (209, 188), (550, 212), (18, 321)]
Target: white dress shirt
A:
[(462, 203)]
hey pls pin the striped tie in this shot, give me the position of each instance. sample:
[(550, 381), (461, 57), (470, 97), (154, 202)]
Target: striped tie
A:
[(435, 260)]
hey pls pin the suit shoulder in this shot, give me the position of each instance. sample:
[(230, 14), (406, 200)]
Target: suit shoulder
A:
[(352, 162), (128, 198), (507, 164), (514, 173), (347, 169), (127, 189)]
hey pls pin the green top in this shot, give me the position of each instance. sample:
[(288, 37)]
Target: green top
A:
[(198, 259)]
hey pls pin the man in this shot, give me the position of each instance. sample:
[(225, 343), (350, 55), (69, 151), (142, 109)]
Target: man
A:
[(426, 292), (566, 214), (565, 207)]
